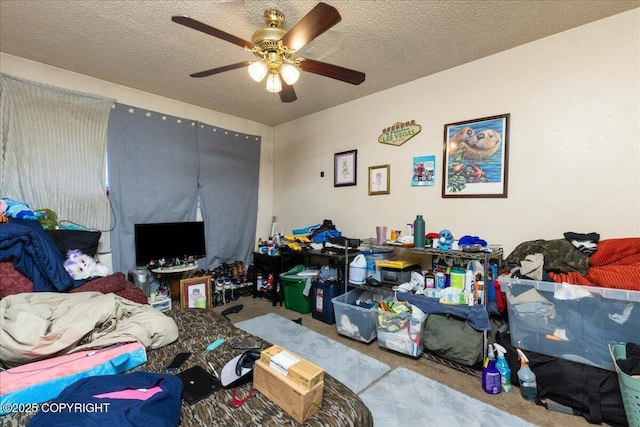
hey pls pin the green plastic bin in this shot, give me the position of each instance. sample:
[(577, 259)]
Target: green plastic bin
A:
[(292, 287), (629, 386)]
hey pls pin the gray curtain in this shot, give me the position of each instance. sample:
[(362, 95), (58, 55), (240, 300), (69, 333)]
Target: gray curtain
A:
[(229, 167), (52, 150), (161, 167)]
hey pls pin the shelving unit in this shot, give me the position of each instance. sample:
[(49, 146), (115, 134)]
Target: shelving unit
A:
[(485, 257), (337, 257), (275, 265)]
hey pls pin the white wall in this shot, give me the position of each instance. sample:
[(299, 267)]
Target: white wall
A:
[(574, 157), (42, 73), (574, 164)]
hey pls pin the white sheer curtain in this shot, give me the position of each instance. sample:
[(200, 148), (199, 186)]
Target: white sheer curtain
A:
[(53, 150)]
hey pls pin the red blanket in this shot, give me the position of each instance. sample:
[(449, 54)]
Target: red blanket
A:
[(14, 282), (616, 264)]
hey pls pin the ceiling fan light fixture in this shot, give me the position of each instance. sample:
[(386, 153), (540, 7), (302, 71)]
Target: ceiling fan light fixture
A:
[(290, 73), (258, 70), (274, 84)]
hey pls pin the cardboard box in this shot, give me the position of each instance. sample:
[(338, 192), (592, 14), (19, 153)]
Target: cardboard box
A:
[(397, 263), (292, 366), (297, 401)]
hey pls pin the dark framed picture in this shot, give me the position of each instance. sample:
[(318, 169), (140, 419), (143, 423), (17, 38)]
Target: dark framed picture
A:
[(379, 179), (196, 292), (345, 168), (476, 158)]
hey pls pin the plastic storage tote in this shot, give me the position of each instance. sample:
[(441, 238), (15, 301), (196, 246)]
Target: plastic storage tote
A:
[(293, 287), (571, 322), (629, 386), (322, 295), (372, 256), (400, 332), (356, 321)]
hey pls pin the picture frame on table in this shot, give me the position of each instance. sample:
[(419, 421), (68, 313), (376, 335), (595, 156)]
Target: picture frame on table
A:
[(195, 292), (476, 158), (379, 179), (345, 168)]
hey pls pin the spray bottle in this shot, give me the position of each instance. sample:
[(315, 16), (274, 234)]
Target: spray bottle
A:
[(490, 375), (503, 367), (528, 384)]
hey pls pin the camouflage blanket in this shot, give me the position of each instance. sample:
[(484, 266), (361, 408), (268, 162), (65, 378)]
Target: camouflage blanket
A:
[(341, 407)]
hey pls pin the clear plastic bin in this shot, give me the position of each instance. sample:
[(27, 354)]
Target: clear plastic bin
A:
[(571, 322), (354, 321), (400, 332)]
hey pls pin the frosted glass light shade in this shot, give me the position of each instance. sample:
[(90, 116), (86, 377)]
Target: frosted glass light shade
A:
[(289, 73), (258, 70), (273, 83)]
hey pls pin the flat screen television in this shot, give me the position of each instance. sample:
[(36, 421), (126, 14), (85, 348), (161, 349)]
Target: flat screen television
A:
[(169, 240)]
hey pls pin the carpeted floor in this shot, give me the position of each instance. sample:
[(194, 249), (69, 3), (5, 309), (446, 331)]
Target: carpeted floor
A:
[(353, 368), (415, 397), (464, 383)]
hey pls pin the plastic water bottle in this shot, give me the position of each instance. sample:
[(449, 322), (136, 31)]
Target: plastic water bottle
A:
[(418, 232), (528, 384)]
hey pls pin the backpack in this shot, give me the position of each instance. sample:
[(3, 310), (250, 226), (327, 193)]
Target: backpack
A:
[(591, 392)]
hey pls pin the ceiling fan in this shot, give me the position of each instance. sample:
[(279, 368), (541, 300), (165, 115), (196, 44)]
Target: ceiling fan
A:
[(275, 48)]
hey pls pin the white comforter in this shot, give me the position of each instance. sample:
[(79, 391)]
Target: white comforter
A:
[(36, 326)]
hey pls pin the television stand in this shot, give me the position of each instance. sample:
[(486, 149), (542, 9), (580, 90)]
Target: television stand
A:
[(171, 276)]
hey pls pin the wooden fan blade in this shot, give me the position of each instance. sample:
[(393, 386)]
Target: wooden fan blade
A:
[(317, 21), (197, 25), (332, 71), (287, 94), (221, 69)]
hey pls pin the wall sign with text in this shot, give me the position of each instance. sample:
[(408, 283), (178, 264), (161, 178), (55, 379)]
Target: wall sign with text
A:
[(399, 133)]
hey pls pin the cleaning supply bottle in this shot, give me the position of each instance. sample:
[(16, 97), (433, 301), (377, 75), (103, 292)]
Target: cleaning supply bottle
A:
[(490, 375), (478, 289), (418, 232), (441, 280), (528, 384), (429, 279), (503, 367), (469, 280)]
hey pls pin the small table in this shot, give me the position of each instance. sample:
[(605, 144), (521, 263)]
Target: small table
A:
[(174, 275), (274, 265)]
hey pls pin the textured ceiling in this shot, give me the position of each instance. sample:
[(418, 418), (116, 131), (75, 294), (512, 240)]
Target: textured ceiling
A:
[(135, 44)]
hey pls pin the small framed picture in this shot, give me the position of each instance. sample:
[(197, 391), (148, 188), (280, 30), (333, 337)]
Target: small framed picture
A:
[(345, 168), (379, 178), (196, 292)]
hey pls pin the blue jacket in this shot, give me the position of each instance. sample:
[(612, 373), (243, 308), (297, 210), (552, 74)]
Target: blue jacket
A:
[(83, 409)]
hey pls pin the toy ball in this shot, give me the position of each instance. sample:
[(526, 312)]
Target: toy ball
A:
[(445, 240)]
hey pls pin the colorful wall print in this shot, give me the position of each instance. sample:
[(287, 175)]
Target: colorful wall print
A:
[(475, 161), (424, 168)]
